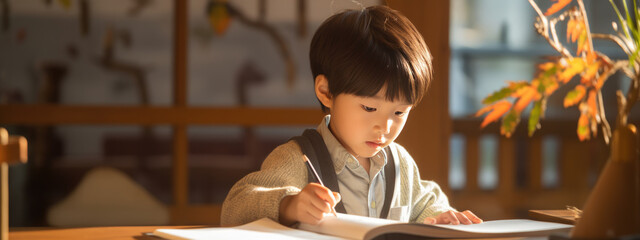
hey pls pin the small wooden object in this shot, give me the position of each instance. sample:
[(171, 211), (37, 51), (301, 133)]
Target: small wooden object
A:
[(13, 149), (559, 216)]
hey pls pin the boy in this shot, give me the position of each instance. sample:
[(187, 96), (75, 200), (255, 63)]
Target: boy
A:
[(370, 68)]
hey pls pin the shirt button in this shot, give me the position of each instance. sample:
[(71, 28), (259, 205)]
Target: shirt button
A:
[(373, 204)]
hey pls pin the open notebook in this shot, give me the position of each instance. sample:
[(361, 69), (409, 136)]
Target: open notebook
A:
[(356, 227)]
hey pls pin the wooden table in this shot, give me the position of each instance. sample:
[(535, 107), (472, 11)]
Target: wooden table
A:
[(137, 232), (109, 233), (117, 232)]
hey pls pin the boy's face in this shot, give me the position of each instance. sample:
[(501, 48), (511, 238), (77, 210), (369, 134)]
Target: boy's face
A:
[(366, 125)]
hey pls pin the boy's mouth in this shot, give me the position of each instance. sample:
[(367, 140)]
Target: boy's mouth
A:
[(374, 144)]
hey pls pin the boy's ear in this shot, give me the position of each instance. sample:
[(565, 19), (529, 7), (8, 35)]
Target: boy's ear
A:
[(322, 91)]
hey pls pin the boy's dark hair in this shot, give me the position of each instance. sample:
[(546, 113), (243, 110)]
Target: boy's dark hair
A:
[(361, 51)]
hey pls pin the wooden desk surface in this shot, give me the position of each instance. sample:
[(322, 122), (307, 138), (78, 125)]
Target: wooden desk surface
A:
[(119, 232), (107, 233), (136, 232)]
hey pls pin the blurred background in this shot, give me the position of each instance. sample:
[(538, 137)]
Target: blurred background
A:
[(186, 97)]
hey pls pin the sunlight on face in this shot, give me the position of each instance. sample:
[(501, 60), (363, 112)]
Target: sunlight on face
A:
[(366, 125)]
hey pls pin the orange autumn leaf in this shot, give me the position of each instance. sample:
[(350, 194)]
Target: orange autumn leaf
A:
[(589, 109), (509, 123), (591, 103), (577, 30), (551, 88), (529, 94), (519, 92), (574, 96), (571, 24), (603, 78), (590, 73), (583, 127), (556, 6), (521, 88), (535, 83), (517, 85), (546, 66), (497, 110), (484, 110), (575, 66), (583, 44), (591, 56), (547, 83)]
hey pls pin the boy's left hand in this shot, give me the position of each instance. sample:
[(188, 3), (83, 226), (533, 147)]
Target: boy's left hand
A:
[(453, 217)]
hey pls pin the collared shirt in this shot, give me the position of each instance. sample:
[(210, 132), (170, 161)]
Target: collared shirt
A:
[(284, 173), (362, 193)]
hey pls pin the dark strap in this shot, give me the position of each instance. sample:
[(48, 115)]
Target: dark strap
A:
[(307, 149), (390, 181), (313, 146), (316, 150)]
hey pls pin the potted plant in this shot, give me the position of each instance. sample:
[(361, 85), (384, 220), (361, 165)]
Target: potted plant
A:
[(613, 207)]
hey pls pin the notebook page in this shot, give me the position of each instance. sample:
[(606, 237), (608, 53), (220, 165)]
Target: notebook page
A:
[(346, 226), (506, 226), (261, 229)]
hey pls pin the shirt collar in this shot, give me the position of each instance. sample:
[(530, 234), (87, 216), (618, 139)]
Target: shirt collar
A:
[(340, 155)]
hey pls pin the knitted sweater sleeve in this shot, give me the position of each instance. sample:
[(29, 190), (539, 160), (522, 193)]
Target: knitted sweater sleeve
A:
[(427, 198), (258, 194)]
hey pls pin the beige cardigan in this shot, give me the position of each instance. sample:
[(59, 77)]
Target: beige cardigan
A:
[(283, 173)]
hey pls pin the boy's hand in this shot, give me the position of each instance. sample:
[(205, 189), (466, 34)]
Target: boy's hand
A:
[(308, 206), (453, 217)]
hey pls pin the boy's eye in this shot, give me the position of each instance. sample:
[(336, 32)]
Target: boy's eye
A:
[(368, 109), (400, 114)]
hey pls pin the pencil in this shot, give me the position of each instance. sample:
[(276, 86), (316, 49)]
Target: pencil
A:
[(306, 160)]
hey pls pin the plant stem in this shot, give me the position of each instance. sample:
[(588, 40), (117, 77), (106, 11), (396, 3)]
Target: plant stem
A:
[(546, 26), (614, 39), (545, 32), (632, 98), (586, 23), (606, 129)]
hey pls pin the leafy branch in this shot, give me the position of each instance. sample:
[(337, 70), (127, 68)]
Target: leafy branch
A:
[(591, 67)]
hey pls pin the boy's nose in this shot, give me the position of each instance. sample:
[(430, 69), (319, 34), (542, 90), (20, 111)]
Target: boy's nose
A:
[(384, 126)]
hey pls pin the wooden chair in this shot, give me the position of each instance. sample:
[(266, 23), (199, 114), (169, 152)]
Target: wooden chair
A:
[(13, 149)]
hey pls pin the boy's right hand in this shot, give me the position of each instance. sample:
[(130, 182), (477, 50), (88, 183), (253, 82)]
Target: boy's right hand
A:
[(309, 205)]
